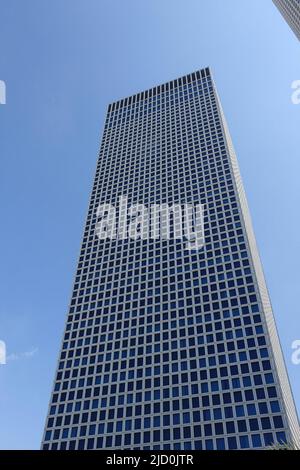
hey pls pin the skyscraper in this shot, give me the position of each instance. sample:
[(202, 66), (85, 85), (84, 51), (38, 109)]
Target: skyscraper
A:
[(167, 347), (290, 10)]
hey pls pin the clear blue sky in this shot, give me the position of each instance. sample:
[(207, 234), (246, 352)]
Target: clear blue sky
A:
[(63, 61)]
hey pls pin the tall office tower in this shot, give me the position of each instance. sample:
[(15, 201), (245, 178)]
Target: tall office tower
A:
[(167, 347), (290, 10)]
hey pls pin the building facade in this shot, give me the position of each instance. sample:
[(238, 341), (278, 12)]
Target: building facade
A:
[(290, 10), (165, 347)]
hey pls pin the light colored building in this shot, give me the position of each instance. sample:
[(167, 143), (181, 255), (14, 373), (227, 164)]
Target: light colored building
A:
[(290, 10)]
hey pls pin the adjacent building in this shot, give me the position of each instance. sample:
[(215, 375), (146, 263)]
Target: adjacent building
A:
[(290, 10), (167, 347)]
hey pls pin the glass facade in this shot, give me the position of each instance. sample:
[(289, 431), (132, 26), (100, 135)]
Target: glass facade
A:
[(290, 10), (166, 348)]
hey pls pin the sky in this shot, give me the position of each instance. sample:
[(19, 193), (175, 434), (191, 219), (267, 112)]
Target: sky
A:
[(63, 62)]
